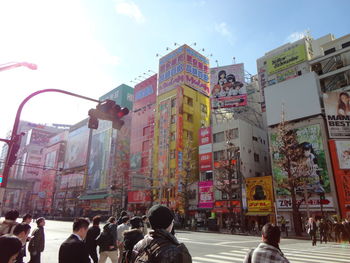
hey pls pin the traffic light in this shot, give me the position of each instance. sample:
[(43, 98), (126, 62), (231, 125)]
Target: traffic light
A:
[(13, 150), (107, 110)]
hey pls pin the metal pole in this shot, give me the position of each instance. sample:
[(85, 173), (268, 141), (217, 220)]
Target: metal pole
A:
[(17, 119)]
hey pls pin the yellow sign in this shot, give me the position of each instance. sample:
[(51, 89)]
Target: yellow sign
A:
[(259, 194), (286, 59)]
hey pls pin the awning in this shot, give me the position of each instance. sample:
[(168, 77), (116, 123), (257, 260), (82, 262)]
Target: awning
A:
[(258, 213), (93, 197)]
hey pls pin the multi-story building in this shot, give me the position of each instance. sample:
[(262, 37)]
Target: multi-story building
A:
[(140, 195), (183, 107)]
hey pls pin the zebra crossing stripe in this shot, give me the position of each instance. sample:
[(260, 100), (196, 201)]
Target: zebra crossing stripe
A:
[(212, 260), (333, 259)]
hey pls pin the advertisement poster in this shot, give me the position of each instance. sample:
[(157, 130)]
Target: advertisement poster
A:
[(204, 136), (40, 137), (343, 153), (314, 202), (205, 162), (179, 128), (184, 66), (206, 194), (99, 159), (259, 194), (337, 107), (138, 197), (228, 87), (72, 180), (310, 140), (164, 135), (287, 59), (77, 146)]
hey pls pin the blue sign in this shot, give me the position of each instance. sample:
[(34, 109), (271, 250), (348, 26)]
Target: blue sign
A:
[(144, 93)]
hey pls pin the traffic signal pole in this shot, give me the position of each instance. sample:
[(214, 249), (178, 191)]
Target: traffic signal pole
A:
[(14, 134)]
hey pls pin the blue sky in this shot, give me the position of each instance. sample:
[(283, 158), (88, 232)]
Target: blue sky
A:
[(90, 47)]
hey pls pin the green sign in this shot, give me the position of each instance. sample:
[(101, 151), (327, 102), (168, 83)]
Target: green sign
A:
[(286, 59), (123, 95)]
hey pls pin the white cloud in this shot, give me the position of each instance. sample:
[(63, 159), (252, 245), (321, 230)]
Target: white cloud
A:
[(295, 36), (130, 9), (223, 30)]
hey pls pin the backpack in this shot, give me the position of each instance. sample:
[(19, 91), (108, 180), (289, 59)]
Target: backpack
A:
[(104, 239), (6, 228), (146, 255)]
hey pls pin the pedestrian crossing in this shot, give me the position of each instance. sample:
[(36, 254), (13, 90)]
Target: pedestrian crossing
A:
[(331, 254)]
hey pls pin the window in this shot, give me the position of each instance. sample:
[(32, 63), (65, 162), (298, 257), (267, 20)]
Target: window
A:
[(188, 134), (219, 137), (189, 117), (173, 119), (172, 136), (232, 134), (144, 161), (209, 176), (145, 146), (50, 159), (256, 157), (146, 131), (255, 138), (299, 72), (172, 154), (224, 196), (204, 108), (329, 51), (189, 101), (346, 44), (257, 174), (219, 155), (173, 102)]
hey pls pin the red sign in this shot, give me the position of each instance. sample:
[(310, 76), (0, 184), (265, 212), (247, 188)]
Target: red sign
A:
[(222, 206), (205, 162), (204, 136), (138, 197)]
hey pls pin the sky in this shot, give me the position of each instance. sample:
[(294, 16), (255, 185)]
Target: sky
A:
[(90, 47)]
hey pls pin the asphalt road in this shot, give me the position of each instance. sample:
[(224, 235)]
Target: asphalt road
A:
[(215, 248)]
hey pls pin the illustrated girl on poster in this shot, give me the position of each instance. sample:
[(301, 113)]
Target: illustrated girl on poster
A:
[(343, 108)]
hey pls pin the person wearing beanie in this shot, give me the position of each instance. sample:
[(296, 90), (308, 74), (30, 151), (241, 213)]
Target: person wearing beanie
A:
[(131, 237), (160, 245)]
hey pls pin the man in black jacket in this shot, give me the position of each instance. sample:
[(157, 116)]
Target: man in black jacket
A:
[(91, 236), (73, 250)]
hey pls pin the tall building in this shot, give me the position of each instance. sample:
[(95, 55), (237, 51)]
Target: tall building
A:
[(183, 107), (141, 144)]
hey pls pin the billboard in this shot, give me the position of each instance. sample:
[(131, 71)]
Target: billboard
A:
[(145, 92), (205, 161), (343, 154), (228, 87), (164, 135), (287, 59), (204, 136), (184, 66), (179, 128), (77, 147), (138, 197), (71, 180), (99, 159), (206, 194), (259, 194), (337, 110), (39, 137), (314, 157)]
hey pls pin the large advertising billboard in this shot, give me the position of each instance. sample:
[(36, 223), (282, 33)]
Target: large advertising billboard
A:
[(77, 147), (182, 66), (99, 158), (145, 92), (314, 159), (204, 136), (206, 194), (259, 194), (228, 86), (164, 135), (138, 197), (72, 180), (337, 107), (287, 59)]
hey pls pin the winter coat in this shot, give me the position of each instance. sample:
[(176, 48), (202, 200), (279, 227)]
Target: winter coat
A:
[(131, 238), (164, 248), (91, 236), (37, 242), (7, 227), (108, 237)]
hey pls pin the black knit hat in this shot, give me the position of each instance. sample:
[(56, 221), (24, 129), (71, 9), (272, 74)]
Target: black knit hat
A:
[(160, 217), (136, 222)]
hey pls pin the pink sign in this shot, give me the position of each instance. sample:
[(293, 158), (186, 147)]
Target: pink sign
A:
[(206, 194), (204, 136)]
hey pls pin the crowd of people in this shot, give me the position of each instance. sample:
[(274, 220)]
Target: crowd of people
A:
[(129, 240)]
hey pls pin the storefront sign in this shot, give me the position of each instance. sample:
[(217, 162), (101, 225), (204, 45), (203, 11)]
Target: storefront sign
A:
[(206, 194), (205, 162), (138, 197), (286, 59), (337, 114), (314, 202), (204, 136), (259, 194), (223, 206)]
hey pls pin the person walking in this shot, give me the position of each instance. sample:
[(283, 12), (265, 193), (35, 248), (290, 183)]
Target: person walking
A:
[(37, 241), (21, 231), (10, 246), (131, 237), (120, 219), (337, 231), (268, 251), (120, 237), (144, 227), (312, 230), (160, 245), (73, 249), (323, 228), (8, 225), (107, 241), (91, 236)]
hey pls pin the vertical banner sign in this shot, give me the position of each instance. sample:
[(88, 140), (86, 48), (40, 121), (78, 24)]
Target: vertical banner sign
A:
[(228, 86), (337, 113), (204, 136), (179, 128), (206, 194), (259, 194), (164, 135), (205, 150)]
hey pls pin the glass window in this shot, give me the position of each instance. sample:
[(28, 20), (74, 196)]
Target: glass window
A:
[(219, 155), (189, 117), (189, 101), (232, 134), (256, 157), (145, 146), (219, 137), (173, 102)]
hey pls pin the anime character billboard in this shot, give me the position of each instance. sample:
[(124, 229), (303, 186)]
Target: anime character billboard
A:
[(228, 87), (343, 152), (312, 160), (259, 194)]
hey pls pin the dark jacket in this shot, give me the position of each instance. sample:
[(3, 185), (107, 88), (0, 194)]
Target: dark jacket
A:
[(109, 237), (164, 248), (91, 236), (37, 242), (73, 250), (131, 237)]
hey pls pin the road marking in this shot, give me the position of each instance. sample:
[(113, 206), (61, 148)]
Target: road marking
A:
[(209, 260), (305, 257), (236, 242)]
